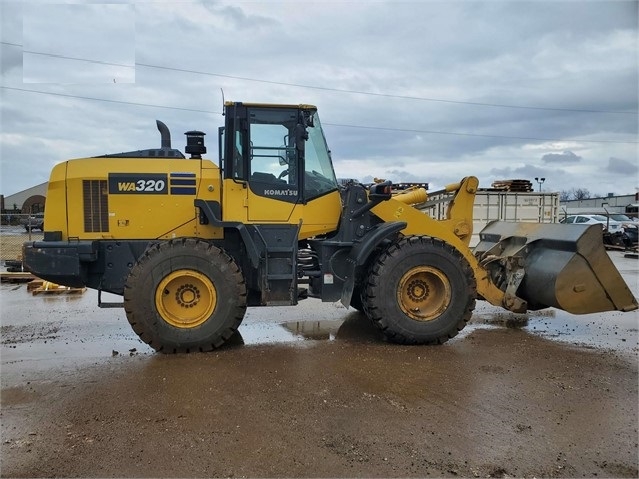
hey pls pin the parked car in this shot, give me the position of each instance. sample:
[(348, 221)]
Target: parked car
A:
[(630, 227), (33, 222), (618, 217), (608, 224), (631, 231)]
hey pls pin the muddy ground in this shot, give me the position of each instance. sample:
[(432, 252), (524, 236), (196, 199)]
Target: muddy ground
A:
[(312, 391)]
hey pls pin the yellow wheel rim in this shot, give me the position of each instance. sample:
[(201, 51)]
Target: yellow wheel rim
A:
[(424, 293), (185, 298)]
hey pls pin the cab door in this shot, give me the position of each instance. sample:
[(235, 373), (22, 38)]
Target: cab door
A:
[(273, 172)]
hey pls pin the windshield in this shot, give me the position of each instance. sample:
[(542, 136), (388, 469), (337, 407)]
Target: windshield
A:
[(319, 177)]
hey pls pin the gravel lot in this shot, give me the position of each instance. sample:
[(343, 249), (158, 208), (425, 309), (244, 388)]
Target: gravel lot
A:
[(312, 391)]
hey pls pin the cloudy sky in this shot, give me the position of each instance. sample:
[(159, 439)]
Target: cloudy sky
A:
[(408, 91)]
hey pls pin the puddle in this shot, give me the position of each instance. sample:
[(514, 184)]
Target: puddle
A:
[(354, 327), (317, 330), (265, 333), (608, 330)]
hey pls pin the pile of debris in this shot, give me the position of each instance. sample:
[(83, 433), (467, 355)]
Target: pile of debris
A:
[(518, 186), (15, 273), (39, 286)]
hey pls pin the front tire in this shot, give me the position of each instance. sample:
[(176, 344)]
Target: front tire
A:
[(420, 290), (185, 295)]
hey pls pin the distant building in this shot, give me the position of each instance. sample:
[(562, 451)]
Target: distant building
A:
[(626, 204), (31, 200)]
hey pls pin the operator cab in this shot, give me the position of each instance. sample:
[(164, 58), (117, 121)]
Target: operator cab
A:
[(278, 151)]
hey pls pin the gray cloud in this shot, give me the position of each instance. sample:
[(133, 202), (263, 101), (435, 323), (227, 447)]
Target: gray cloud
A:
[(10, 32), (102, 36), (10, 59), (622, 167), (240, 18), (402, 175), (565, 157), (525, 171)]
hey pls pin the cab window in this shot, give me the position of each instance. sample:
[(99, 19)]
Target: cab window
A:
[(273, 156)]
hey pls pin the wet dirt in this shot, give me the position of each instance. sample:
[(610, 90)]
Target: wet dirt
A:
[(312, 391)]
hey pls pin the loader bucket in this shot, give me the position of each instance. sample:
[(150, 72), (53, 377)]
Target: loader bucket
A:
[(564, 266)]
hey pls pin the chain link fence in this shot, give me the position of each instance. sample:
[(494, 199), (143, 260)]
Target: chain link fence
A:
[(15, 230)]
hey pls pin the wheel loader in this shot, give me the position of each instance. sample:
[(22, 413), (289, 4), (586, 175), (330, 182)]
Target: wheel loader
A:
[(190, 244)]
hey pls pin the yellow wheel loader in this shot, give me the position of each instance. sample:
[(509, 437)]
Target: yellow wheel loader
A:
[(190, 244)]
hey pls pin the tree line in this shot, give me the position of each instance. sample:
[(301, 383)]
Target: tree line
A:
[(576, 194)]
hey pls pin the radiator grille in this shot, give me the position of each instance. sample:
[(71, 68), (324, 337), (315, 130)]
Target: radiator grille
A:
[(96, 206)]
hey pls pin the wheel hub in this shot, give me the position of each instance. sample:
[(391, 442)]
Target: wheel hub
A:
[(418, 290), (185, 298), (424, 293)]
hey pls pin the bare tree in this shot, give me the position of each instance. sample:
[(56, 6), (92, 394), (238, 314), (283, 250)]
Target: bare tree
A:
[(574, 194), (580, 193)]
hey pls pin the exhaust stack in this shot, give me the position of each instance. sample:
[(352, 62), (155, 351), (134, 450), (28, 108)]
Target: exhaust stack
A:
[(164, 133)]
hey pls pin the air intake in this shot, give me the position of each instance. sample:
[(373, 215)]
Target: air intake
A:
[(195, 144)]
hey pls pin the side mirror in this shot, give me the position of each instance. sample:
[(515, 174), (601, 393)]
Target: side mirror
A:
[(307, 118), (381, 191), (376, 194)]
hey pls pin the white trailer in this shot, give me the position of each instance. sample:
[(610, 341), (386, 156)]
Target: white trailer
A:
[(530, 207)]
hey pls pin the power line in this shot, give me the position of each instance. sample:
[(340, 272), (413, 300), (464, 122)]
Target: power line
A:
[(480, 135), (99, 62), (385, 95), (379, 128), (108, 100), (338, 90)]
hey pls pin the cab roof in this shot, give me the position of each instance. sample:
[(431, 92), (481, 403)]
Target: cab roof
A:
[(301, 106)]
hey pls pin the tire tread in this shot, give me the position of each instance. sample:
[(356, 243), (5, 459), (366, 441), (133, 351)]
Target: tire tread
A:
[(204, 249), (375, 282)]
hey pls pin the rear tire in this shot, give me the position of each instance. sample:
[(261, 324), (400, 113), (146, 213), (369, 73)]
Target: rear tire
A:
[(185, 295), (420, 290)]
